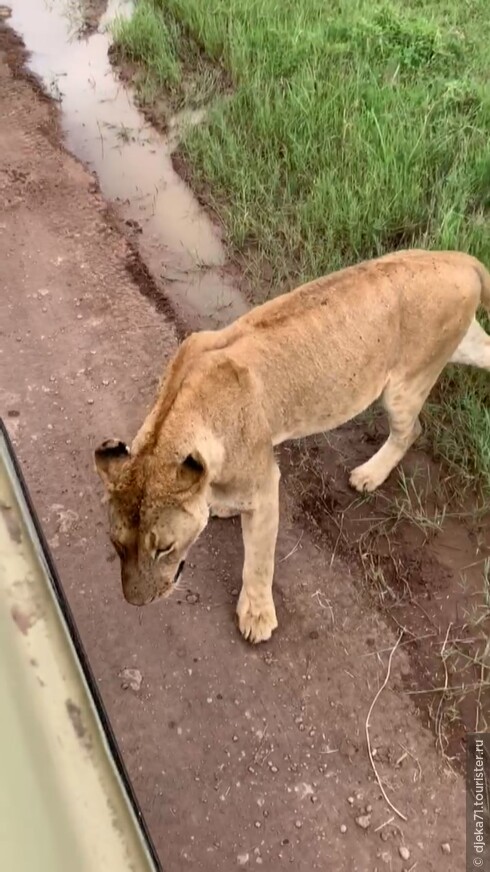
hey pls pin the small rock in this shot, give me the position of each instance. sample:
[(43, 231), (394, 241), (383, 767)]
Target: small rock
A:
[(274, 769), (90, 401), (363, 821), (243, 859), (369, 809), (343, 828), (258, 825), (298, 825), (404, 852), (132, 678), (192, 598), (446, 848), (350, 800)]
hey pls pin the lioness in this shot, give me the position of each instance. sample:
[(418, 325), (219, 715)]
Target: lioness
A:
[(300, 364)]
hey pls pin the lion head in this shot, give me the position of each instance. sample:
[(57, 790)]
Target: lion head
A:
[(157, 509)]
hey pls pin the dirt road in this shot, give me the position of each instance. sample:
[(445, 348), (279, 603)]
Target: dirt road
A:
[(240, 756)]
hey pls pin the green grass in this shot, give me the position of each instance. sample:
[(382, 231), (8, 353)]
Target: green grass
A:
[(335, 132)]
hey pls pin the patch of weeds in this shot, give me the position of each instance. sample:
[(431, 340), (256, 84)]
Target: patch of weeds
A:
[(148, 40), (459, 429), (409, 43), (171, 70)]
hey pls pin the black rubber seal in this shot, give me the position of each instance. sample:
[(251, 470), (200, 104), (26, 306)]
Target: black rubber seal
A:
[(81, 653)]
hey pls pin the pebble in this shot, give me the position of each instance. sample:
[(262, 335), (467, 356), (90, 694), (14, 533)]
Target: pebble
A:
[(343, 828), (446, 848), (404, 852), (363, 821), (132, 678)]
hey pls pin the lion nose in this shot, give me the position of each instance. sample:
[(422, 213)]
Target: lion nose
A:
[(179, 571)]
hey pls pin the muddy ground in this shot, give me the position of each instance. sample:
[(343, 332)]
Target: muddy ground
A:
[(240, 756)]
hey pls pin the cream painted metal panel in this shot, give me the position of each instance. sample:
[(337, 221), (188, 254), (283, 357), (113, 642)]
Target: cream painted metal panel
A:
[(65, 799)]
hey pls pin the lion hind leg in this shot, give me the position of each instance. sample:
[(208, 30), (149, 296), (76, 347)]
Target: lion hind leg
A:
[(474, 348), (403, 400)]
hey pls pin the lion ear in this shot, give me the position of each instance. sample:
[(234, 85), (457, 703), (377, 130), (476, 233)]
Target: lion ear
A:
[(193, 470), (110, 458)]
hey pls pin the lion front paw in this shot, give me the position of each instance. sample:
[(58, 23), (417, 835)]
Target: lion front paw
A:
[(256, 622), (367, 478)]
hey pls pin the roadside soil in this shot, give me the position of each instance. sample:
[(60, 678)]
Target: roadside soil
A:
[(240, 756)]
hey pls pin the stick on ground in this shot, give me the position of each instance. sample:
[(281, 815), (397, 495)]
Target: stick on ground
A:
[(368, 740)]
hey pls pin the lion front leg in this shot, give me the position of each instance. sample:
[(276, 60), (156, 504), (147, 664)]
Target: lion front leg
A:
[(255, 610)]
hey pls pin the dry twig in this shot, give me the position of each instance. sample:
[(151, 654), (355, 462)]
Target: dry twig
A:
[(368, 740)]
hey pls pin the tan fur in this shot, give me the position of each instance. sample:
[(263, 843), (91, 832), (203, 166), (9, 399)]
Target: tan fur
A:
[(300, 364)]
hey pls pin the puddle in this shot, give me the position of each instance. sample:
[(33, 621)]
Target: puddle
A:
[(103, 127)]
